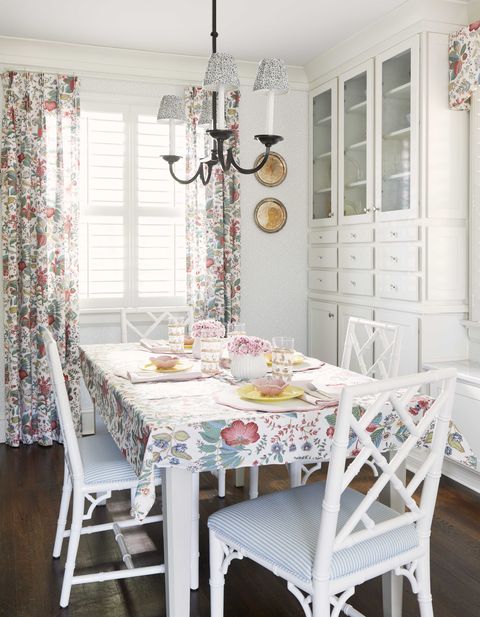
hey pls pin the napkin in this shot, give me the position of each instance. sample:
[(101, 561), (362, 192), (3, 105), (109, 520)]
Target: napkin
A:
[(160, 346), (230, 398), (153, 377)]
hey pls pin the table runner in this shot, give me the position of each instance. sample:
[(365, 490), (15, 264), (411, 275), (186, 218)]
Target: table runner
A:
[(180, 424)]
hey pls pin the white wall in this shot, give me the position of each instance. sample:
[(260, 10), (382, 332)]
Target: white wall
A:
[(274, 266)]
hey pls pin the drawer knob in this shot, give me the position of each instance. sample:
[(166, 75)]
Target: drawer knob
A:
[(367, 210), (330, 214), (393, 286), (394, 258), (331, 315), (320, 257), (320, 237), (353, 236), (320, 280), (353, 283), (394, 234), (353, 257)]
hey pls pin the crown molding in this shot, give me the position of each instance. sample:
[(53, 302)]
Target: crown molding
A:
[(127, 64)]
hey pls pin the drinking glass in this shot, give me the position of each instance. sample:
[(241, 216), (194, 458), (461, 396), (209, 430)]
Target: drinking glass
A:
[(236, 329), (176, 336), (210, 352), (282, 357)]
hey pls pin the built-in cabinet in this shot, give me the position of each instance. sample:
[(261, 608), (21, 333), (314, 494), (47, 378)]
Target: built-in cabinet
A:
[(385, 242)]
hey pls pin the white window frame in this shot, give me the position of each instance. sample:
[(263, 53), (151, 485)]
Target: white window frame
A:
[(130, 107)]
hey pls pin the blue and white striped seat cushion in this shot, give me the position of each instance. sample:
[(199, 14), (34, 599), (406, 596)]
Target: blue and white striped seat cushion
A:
[(282, 529), (103, 463)]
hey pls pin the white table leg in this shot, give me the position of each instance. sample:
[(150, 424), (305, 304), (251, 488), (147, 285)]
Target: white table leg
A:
[(240, 477), (195, 532), (392, 585), (295, 473), (177, 524)]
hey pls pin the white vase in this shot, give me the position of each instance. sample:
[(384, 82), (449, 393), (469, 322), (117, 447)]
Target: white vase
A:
[(248, 367), (196, 347)]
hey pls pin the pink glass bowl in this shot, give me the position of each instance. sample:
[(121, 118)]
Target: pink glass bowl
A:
[(270, 386), (164, 362)]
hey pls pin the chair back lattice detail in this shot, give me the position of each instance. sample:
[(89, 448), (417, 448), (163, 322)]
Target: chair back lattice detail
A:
[(372, 397), (154, 318), (70, 443), (362, 337)]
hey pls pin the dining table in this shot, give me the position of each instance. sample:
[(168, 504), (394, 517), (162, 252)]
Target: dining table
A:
[(201, 424)]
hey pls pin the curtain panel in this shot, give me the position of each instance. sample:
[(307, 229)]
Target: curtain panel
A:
[(39, 173), (212, 221), (464, 65)]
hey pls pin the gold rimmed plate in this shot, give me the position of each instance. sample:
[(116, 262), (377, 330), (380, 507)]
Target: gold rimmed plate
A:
[(181, 365), (250, 393)]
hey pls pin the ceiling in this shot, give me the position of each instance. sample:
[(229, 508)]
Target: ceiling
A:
[(250, 29)]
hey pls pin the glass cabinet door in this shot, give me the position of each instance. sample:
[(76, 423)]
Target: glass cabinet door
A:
[(324, 155), (397, 133), (356, 143)]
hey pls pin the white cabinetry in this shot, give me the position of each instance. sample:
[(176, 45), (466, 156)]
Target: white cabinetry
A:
[(387, 241)]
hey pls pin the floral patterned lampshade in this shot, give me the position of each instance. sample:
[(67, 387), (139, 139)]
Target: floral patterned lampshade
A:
[(221, 71), (272, 75), (172, 107), (205, 118)]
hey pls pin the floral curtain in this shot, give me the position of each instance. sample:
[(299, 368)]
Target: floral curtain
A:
[(39, 173), (212, 221), (464, 65)]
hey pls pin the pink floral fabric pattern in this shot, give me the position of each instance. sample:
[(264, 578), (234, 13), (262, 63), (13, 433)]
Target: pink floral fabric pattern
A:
[(212, 223), (39, 174), (464, 65), (182, 425)]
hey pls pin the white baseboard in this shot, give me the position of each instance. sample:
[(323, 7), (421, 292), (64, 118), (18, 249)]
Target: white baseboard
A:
[(461, 474)]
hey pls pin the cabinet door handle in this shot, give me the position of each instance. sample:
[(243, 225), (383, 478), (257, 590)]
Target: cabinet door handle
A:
[(353, 283), (394, 258), (394, 234), (393, 286), (367, 210), (330, 214), (376, 209), (331, 315)]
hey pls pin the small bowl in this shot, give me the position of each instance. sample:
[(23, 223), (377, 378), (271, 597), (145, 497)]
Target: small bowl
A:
[(270, 386), (188, 340), (164, 362)]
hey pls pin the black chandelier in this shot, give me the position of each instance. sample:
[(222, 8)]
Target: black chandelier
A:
[(222, 76)]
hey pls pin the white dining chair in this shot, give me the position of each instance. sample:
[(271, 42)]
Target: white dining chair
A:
[(373, 348), (325, 538), (94, 468)]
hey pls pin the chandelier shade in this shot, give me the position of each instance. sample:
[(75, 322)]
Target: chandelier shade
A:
[(221, 72), (172, 107), (271, 75)]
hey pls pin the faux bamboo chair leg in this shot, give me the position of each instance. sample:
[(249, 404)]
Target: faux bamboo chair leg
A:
[(424, 595), (221, 482), (253, 482), (217, 578), (75, 530), (62, 515)]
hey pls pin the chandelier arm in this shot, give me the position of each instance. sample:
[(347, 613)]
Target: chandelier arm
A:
[(187, 181), (224, 164), (209, 165), (242, 170)]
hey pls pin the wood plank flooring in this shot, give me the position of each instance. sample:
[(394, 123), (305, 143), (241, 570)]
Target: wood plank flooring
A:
[(30, 580)]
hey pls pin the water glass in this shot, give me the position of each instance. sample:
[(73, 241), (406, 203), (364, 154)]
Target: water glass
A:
[(236, 329), (282, 357), (176, 336), (210, 352)]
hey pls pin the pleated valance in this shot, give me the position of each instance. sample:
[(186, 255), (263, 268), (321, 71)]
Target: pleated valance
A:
[(464, 65)]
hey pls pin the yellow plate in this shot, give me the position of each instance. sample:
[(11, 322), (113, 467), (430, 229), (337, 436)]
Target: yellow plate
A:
[(298, 358), (188, 346), (251, 393), (181, 365)]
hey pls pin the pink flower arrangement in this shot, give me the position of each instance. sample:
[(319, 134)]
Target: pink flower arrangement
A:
[(208, 328), (248, 346)]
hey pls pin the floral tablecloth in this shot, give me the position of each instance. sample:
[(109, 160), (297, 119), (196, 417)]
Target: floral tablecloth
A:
[(181, 424)]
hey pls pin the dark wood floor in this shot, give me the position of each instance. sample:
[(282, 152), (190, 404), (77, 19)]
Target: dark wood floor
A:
[(30, 580)]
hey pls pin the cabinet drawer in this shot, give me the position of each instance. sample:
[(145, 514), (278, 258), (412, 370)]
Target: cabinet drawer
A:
[(322, 257), (396, 257), (397, 233), (358, 283), (398, 286), (358, 234), (322, 280), (356, 257), (325, 236)]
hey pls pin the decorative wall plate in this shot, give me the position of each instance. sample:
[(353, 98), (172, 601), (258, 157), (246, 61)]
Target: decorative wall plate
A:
[(270, 215), (273, 172)]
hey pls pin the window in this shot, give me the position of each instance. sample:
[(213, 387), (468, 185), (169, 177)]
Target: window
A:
[(132, 223)]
